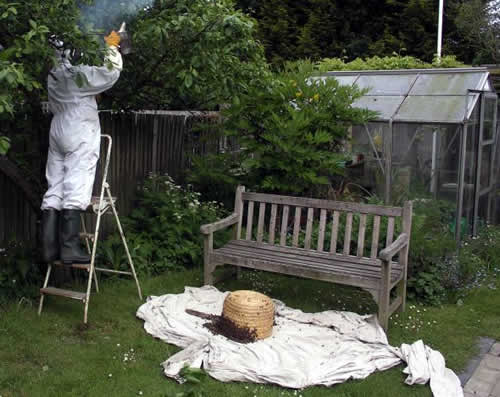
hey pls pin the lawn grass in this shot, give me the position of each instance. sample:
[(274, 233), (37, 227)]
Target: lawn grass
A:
[(55, 355)]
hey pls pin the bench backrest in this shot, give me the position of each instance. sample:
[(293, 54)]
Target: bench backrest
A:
[(330, 226)]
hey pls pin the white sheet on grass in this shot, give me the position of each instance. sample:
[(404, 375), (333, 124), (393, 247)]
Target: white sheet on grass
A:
[(305, 349)]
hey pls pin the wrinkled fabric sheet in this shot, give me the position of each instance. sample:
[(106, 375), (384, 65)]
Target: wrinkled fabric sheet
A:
[(305, 349)]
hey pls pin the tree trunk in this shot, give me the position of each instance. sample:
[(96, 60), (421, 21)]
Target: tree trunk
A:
[(12, 171)]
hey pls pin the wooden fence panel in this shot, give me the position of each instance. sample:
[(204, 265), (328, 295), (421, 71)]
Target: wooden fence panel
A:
[(143, 143), (18, 221)]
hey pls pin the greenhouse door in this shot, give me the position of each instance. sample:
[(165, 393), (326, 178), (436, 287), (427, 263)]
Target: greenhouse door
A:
[(485, 159)]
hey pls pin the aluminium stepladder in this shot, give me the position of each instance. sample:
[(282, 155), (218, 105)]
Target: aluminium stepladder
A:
[(99, 206)]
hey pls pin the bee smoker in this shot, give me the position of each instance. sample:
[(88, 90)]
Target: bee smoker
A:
[(125, 41)]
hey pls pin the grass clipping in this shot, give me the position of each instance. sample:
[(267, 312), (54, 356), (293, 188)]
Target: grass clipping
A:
[(220, 325)]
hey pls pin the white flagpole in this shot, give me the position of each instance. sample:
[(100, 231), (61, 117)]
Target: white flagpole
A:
[(440, 30)]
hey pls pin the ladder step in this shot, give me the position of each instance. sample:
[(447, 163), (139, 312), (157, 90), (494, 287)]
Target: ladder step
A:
[(104, 270), (83, 266), (87, 235), (63, 292), (95, 201)]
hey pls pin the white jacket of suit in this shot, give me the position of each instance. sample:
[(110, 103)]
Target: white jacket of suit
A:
[(75, 132)]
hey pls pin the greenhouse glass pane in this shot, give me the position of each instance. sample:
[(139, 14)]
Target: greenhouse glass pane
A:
[(367, 144), (470, 176), (346, 80), (483, 210), (474, 116), (384, 105), (495, 214), (386, 84), (486, 159), (425, 160), (433, 109), (489, 116), (446, 84)]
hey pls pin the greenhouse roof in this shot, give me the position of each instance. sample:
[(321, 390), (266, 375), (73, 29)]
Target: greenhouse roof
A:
[(418, 95)]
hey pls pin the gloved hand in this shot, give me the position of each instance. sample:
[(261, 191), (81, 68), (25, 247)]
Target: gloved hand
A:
[(113, 39)]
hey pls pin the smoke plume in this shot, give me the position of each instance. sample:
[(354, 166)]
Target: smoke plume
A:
[(104, 15)]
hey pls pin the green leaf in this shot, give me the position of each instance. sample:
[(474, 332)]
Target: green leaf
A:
[(4, 144), (10, 78), (81, 79), (188, 80)]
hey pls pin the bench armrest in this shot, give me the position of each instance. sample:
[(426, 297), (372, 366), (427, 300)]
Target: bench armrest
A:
[(223, 223), (388, 252)]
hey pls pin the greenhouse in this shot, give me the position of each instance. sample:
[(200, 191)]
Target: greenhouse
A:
[(434, 137)]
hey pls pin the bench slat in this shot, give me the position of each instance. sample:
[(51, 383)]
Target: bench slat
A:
[(322, 274), (272, 223), (375, 236), (299, 258), (284, 225), (260, 224), (256, 257), (361, 235), (321, 233), (390, 231), (340, 265), (294, 251), (333, 267), (296, 227), (335, 232), (249, 220), (347, 236), (309, 225), (325, 204)]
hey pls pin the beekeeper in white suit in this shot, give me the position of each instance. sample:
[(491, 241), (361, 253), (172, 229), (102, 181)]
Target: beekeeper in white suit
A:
[(75, 136)]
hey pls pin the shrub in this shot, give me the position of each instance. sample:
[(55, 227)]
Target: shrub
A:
[(437, 269), (163, 230), (291, 131), (19, 276), (477, 259), (486, 246), (215, 177), (387, 63), (428, 254)]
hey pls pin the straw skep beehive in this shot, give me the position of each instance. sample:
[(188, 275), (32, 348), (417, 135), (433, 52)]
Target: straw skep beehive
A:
[(250, 309)]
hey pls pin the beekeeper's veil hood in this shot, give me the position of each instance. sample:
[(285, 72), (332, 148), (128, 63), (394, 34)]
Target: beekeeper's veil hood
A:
[(64, 53)]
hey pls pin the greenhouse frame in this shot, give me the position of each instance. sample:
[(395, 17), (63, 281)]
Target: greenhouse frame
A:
[(435, 136)]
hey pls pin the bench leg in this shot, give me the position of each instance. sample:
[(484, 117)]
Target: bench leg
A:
[(383, 308), (208, 273), (208, 266), (401, 291), (384, 296)]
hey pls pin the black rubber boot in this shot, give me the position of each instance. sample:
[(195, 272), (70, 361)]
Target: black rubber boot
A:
[(50, 235), (71, 250)]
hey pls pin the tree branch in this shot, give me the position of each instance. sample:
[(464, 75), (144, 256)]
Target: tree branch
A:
[(12, 171)]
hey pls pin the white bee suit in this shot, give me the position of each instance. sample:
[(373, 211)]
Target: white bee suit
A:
[(75, 132)]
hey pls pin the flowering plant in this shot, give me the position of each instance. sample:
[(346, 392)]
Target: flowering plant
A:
[(163, 230)]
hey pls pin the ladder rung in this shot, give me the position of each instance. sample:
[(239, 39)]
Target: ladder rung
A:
[(97, 199), (64, 292), (94, 204), (83, 266), (104, 270), (87, 235)]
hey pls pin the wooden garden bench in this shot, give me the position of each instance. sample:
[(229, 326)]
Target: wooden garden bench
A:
[(347, 260)]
